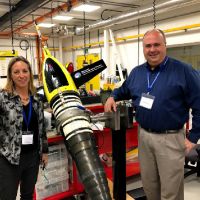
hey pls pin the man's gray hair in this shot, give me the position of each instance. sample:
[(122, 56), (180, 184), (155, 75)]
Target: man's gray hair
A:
[(156, 30)]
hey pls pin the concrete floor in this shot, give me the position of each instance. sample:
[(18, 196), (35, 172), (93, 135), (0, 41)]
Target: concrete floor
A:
[(191, 186), (191, 190)]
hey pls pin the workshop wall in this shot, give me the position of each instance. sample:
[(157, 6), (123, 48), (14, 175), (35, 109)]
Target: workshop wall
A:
[(30, 54), (130, 52)]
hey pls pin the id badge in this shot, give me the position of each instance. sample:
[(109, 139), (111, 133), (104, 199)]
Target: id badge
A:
[(27, 137), (147, 101)]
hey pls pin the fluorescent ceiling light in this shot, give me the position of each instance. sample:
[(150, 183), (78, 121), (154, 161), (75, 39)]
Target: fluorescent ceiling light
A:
[(46, 25), (78, 28), (86, 8), (63, 18)]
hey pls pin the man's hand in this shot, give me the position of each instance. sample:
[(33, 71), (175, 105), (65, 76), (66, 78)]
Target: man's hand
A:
[(110, 105), (189, 146)]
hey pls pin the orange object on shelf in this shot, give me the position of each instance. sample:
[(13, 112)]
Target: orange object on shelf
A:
[(104, 143)]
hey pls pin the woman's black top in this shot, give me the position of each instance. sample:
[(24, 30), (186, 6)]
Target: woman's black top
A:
[(33, 126)]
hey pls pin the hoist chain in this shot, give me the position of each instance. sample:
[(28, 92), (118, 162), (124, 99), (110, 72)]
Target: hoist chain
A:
[(11, 26), (154, 13)]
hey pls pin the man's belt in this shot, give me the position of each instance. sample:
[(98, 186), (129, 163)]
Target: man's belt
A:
[(161, 131)]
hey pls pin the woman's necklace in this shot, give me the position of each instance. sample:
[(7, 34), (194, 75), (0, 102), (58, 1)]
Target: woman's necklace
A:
[(24, 100)]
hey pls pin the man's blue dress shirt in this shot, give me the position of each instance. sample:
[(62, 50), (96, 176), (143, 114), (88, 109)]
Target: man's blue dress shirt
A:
[(176, 90)]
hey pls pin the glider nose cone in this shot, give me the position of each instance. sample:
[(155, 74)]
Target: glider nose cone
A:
[(54, 76)]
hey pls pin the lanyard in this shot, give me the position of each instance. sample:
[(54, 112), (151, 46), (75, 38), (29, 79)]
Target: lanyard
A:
[(148, 75), (151, 85), (27, 121)]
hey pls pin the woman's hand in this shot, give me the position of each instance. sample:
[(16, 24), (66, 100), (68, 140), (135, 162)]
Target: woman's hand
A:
[(44, 159)]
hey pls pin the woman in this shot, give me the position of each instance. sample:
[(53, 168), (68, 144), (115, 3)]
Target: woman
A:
[(23, 141)]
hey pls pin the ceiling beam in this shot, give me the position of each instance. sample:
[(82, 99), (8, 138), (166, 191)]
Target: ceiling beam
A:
[(18, 11), (54, 11)]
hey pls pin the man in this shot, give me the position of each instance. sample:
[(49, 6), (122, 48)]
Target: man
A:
[(162, 90)]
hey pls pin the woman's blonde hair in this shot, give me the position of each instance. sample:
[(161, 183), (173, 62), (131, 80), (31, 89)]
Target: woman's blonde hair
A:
[(10, 87)]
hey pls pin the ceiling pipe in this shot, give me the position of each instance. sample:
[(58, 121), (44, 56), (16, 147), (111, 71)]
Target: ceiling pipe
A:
[(132, 37), (5, 34), (130, 16), (54, 11)]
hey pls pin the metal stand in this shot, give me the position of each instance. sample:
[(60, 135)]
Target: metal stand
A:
[(118, 121), (119, 164)]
